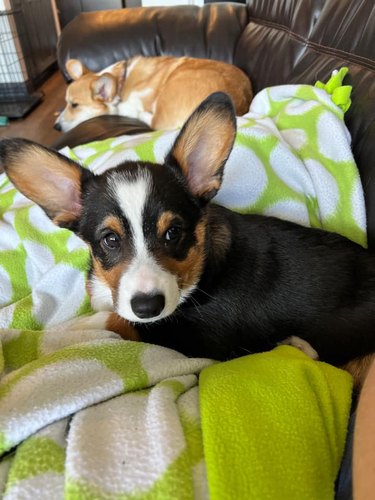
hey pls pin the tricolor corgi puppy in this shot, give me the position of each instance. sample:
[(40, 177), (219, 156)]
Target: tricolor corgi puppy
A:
[(160, 91), (170, 268)]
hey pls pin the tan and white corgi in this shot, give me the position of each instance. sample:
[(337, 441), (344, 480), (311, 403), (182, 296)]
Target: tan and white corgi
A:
[(160, 91)]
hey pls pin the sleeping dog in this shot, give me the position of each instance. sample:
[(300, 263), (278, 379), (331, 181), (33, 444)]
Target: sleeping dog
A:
[(160, 91), (170, 268)]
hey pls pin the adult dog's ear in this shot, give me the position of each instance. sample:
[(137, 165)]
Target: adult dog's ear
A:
[(107, 85), (118, 71), (75, 69), (104, 88), (203, 145), (45, 177)]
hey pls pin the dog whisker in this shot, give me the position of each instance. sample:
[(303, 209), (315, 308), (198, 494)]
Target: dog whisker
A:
[(199, 290), (205, 293), (196, 305)]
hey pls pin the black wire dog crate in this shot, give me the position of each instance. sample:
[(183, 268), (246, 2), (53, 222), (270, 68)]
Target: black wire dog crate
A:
[(16, 97)]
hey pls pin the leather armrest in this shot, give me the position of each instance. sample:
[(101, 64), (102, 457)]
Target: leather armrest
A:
[(99, 128)]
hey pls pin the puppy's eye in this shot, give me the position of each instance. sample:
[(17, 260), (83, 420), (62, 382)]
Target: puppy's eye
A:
[(111, 241), (173, 234), (74, 104)]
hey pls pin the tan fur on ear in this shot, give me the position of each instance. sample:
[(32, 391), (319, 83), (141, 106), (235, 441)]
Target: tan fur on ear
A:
[(45, 177), (75, 69), (204, 144), (104, 88), (118, 70)]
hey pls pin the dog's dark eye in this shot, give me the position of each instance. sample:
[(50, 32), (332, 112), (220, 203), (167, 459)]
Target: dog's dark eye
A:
[(74, 104), (111, 241), (173, 234)]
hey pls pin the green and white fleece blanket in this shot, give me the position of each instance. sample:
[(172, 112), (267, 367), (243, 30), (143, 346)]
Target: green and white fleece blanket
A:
[(84, 414)]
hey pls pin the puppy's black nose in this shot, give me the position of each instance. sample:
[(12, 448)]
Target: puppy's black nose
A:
[(57, 126), (146, 305)]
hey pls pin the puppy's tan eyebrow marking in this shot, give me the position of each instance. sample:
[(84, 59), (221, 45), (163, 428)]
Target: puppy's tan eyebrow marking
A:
[(114, 224), (189, 269), (165, 221)]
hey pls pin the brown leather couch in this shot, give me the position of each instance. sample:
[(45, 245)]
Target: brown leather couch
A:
[(273, 41)]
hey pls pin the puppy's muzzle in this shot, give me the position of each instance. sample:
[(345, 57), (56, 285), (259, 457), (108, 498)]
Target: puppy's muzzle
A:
[(146, 305)]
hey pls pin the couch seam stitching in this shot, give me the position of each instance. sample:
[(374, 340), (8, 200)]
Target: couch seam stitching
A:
[(365, 61)]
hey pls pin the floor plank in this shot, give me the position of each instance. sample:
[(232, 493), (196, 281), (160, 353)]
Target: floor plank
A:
[(38, 125)]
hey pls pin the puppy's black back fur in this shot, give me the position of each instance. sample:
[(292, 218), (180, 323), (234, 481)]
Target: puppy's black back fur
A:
[(275, 279)]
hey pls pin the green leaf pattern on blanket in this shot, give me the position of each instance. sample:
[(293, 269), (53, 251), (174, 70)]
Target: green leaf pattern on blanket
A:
[(335, 167), (36, 456), (21, 348), (86, 415), (34, 254)]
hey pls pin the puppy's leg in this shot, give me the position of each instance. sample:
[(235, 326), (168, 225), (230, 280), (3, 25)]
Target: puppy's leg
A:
[(302, 345), (105, 320), (358, 368)]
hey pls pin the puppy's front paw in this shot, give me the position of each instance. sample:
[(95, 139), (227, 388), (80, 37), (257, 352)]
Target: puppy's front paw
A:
[(302, 345), (96, 321)]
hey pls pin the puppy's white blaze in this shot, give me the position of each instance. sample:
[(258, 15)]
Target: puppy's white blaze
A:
[(131, 195), (144, 274)]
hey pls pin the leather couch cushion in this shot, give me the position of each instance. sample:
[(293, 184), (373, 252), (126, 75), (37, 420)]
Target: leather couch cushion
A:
[(100, 38)]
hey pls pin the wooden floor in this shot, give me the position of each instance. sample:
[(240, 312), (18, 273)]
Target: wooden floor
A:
[(38, 125)]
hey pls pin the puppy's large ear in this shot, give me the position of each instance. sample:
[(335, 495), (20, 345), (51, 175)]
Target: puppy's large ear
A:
[(75, 69), (45, 177), (204, 143)]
